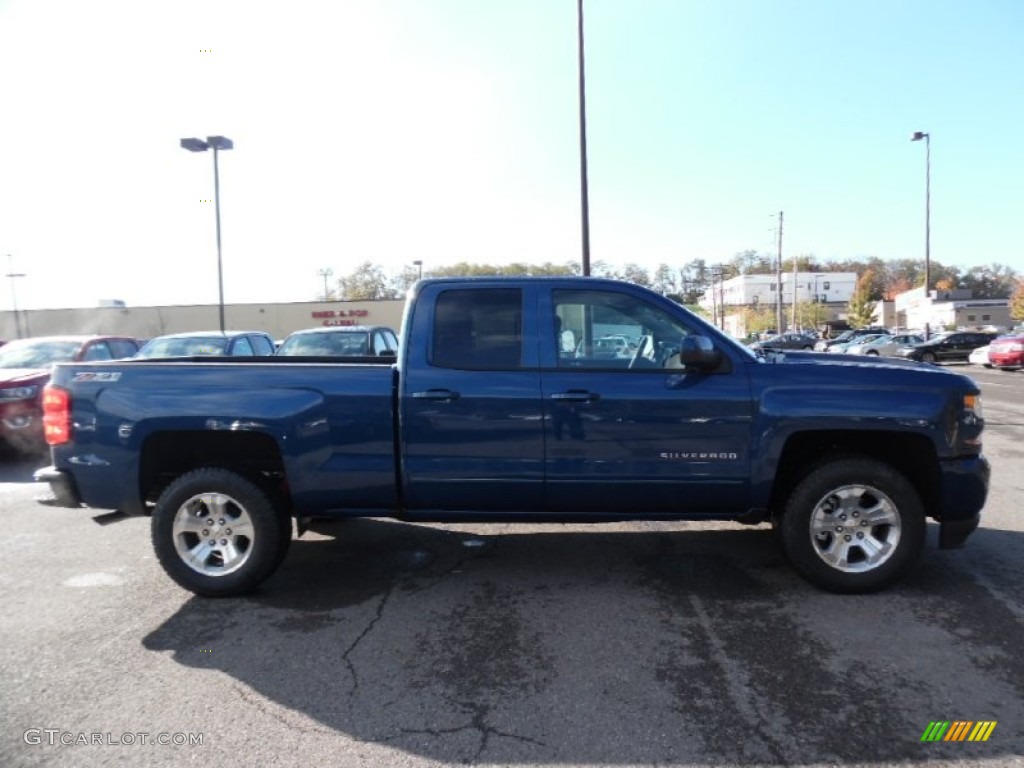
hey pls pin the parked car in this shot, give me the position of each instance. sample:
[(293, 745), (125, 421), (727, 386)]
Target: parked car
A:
[(786, 341), (843, 347), (1007, 352), (213, 343), (25, 367), (883, 345), (948, 347), (979, 356), (344, 341), (824, 345)]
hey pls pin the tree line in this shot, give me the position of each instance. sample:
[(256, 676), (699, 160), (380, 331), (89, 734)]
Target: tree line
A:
[(878, 279)]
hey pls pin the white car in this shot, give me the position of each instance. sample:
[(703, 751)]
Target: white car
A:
[(979, 357), (884, 345)]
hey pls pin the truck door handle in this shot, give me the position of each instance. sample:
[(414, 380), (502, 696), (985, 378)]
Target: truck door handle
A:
[(444, 395), (576, 396)]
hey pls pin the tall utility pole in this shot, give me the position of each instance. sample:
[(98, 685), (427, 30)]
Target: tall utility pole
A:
[(584, 194), (778, 282), (325, 273), (721, 293), (796, 277), (14, 297), (714, 299), (917, 136)]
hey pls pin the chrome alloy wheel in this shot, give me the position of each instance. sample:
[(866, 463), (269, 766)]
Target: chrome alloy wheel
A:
[(213, 534), (855, 528)]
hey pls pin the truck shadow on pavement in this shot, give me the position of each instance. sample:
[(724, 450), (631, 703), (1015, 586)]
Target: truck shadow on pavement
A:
[(580, 645)]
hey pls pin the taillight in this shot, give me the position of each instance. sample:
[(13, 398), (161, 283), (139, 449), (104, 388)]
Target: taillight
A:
[(56, 415)]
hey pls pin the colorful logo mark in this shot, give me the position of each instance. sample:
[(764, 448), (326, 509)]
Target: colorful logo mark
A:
[(958, 730)]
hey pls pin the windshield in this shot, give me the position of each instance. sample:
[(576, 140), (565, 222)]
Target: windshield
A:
[(340, 344), (31, 353), (189, 346)]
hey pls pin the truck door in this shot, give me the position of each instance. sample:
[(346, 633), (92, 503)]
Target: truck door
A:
[(637, 433), (471, 430)]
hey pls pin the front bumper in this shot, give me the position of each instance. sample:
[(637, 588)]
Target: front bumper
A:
[(963, 492), (63, 492), (21, 427)]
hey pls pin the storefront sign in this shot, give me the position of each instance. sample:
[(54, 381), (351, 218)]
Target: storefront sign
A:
[(340, 317)]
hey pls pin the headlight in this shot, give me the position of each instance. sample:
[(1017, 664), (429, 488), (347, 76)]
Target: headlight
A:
[(19, 393), (972, 407), (974, 421)]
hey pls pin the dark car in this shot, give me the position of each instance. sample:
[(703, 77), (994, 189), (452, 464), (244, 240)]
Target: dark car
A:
[(948, 347), (1007, 352), (786, 341), (847, 337), (343, 341), (25, 369), (214, 343)]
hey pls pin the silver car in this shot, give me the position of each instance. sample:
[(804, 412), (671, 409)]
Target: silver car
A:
[(883, 345)]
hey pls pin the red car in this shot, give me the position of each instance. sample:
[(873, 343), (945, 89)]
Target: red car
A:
[(1007, 352), (25, 367)]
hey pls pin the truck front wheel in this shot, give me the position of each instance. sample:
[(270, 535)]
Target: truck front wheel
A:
[(216, 533), (853, 525)]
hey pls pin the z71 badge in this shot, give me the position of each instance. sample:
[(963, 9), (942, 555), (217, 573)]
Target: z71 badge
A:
[(96, 376), (699, 455)]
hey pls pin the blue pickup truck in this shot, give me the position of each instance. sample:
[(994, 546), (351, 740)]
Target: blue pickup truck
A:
[(501, 406)]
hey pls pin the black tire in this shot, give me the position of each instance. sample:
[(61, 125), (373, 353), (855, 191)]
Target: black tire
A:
[(872, 353), (828, 538), (929, 357), (234, 544)]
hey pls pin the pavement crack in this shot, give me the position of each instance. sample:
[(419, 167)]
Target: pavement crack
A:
[(478, 723), (359, 638)]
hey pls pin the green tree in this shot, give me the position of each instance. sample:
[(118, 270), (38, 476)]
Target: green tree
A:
[(665, 281), (992, 281), (1017, 301), (634, 273), (861, 308), (366, 282)]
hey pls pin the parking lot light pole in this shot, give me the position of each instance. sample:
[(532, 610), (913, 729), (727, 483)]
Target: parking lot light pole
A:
[(917, 136), (14, 296), (216, 143), (325, 274)]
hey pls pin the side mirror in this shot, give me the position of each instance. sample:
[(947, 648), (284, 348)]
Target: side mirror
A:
[(699, 353)]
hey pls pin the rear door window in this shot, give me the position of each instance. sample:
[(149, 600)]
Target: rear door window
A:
[(478, 329)]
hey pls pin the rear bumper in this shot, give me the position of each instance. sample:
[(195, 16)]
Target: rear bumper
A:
[(63, 492), (963, 493)]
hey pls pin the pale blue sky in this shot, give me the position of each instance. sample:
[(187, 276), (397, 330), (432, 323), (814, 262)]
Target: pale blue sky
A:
[(446, 130)]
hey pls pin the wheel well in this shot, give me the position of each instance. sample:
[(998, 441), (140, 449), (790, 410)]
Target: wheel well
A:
[(168, 455), (912, 455)]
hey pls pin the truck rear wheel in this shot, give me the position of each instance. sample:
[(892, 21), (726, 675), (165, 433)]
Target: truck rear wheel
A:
[(217, 534), (853, 525)]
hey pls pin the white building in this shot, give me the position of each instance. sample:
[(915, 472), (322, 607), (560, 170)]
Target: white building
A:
[(755, 290), (950, 309), (727, 299)]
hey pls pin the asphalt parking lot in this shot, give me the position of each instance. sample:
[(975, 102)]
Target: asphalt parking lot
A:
[(381, 643)]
